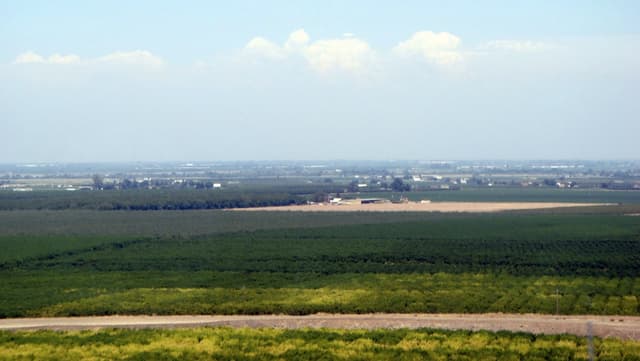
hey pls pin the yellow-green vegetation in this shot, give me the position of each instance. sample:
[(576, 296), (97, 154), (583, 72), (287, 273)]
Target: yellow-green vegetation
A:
[(263, 293), (305, 344)]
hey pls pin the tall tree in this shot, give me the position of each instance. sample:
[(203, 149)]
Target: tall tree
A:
[(98, 181)]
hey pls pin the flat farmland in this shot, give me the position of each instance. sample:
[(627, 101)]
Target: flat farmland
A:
[(304, 263), (348, 270)]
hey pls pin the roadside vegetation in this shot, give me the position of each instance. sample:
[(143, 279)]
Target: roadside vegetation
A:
[(305, 344)]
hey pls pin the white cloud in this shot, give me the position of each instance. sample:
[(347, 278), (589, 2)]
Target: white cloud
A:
[(297, 40), (349, 54), (35, 58), (63, 59), (29, 58), (436, 48), (263, 47), (136, 57), (516, 45)]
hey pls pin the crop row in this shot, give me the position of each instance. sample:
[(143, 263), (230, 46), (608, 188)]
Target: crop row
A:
[(452, 246)]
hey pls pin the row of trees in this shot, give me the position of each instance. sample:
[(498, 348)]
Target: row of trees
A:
[(145, 199), (398, 185), (100, 184)]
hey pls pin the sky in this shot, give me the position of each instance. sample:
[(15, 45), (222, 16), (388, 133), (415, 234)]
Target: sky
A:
[(100, 81)]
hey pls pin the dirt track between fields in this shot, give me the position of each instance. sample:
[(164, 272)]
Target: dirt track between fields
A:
[(622, 327), (475, 207)]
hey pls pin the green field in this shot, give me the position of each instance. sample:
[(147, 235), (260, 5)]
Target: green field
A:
[(515, 244), (216, 262), (172, 223), (306, 344)]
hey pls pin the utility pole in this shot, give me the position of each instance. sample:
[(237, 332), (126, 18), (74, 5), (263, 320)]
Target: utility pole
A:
[(557, 301)]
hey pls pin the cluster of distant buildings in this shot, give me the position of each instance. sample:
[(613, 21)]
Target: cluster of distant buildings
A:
[(353, 177)]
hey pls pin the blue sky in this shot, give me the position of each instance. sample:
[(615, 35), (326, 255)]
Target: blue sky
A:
[(203, 80), (193, 29)]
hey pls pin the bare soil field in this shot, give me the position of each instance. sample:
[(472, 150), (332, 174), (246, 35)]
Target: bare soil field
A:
[(472, 207), (622, 327)]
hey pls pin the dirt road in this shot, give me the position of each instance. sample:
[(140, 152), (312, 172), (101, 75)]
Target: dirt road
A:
[(623, 327), (422, 207)]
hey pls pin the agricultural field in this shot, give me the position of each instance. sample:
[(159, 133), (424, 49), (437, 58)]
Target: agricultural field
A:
[(308, 263), (76, 259), (171, 223), (306, 344)]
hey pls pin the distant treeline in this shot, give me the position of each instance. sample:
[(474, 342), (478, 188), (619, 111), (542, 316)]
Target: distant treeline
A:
[(145, 199)]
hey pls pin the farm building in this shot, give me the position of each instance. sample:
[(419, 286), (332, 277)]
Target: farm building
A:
[(373, 201)]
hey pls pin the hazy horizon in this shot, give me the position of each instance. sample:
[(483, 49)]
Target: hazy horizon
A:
[(251, 81), (298, 160)]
